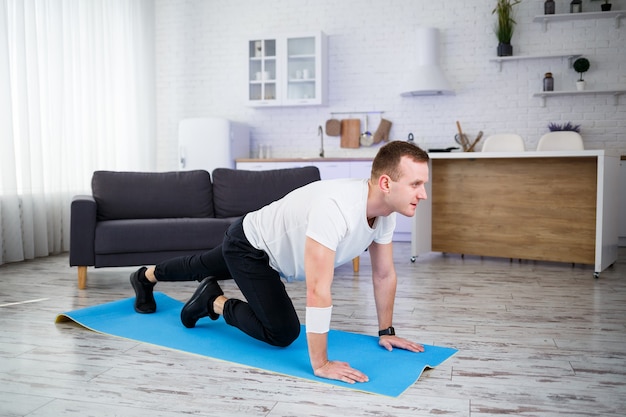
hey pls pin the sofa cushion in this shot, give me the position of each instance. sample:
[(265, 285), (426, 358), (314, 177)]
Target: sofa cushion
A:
[(237, 192), (154, 235), (152, 195)]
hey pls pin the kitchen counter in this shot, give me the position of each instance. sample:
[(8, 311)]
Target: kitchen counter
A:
[(298, 160), (525, 154), (558, 206), (449, 155)]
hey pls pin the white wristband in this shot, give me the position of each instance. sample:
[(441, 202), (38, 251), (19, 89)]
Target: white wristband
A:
[(318, 319)]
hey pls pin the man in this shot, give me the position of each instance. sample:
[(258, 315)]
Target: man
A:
[(304, 236)]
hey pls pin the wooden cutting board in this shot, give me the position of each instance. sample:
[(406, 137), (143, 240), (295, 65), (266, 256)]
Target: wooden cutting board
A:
[(350, 133)]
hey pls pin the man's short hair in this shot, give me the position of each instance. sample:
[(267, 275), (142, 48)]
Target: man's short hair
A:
[(387, 160)]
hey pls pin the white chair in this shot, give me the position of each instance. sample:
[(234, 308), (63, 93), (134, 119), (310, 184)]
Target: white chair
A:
[(561, 141), (504, 142)]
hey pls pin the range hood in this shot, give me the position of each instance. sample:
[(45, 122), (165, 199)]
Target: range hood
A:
[(426, 77)]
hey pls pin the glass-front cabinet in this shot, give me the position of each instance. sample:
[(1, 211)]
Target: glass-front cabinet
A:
[(287, 70), (262, 70)]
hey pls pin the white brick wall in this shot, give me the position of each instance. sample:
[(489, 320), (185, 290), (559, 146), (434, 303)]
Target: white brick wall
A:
[(201, 70)]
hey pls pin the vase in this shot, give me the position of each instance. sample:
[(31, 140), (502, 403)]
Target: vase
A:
[(606, 7), (548, 82), (505, 49), (580, 85)]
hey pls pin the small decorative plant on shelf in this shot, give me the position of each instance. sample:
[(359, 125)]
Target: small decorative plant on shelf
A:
[(581, 65), (555, 127), (606, 7), (505, 25)]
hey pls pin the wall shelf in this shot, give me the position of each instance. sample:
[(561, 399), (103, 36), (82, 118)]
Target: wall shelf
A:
[(546, 94), (569, 56), (545, 18)]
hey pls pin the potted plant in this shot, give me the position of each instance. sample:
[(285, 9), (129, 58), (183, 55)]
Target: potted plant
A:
[(606, 7), (581, 65), (505, 25), (568, 127)]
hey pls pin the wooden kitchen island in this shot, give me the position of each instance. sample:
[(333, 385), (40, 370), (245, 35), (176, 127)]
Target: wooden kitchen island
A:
[(557, 206)]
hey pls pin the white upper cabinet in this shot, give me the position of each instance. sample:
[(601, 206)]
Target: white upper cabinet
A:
[(287, 70), (263, 72)]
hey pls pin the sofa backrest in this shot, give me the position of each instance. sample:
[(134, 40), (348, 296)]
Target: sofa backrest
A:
[(237, 192), (152, 195)]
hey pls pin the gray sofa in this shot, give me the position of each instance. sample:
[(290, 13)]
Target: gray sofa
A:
[(142, 218)]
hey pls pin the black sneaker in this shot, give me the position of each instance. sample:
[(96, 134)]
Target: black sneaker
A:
[(144, 299), (200, 303)]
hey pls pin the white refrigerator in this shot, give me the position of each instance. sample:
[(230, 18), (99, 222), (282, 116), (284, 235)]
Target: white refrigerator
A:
[(211, 142)]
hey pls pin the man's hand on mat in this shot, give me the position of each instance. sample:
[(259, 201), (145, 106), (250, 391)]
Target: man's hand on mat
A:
[(340, 371), (389, 342)]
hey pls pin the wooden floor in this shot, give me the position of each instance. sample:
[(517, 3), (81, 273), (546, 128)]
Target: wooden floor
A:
[(534, 339)]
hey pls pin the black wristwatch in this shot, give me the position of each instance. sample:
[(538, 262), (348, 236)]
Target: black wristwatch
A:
[(389, 331)]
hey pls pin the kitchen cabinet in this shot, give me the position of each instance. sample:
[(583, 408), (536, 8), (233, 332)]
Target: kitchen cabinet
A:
[(263, 71), (331, 169), (287, 70), (360, 169), (256, 166), (562, 222), (328, 170)]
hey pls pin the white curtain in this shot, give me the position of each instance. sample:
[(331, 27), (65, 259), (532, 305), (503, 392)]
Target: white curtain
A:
[(76, 95)]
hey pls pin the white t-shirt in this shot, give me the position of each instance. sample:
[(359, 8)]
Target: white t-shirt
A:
[(331, 212)]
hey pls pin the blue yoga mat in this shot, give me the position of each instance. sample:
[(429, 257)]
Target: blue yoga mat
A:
[(390, 373)]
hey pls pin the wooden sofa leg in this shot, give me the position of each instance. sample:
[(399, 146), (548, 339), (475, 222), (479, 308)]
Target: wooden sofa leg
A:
[(355, 264), (82, 277)]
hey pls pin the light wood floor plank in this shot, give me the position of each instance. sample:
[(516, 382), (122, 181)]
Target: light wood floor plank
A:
[(534, 339)]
